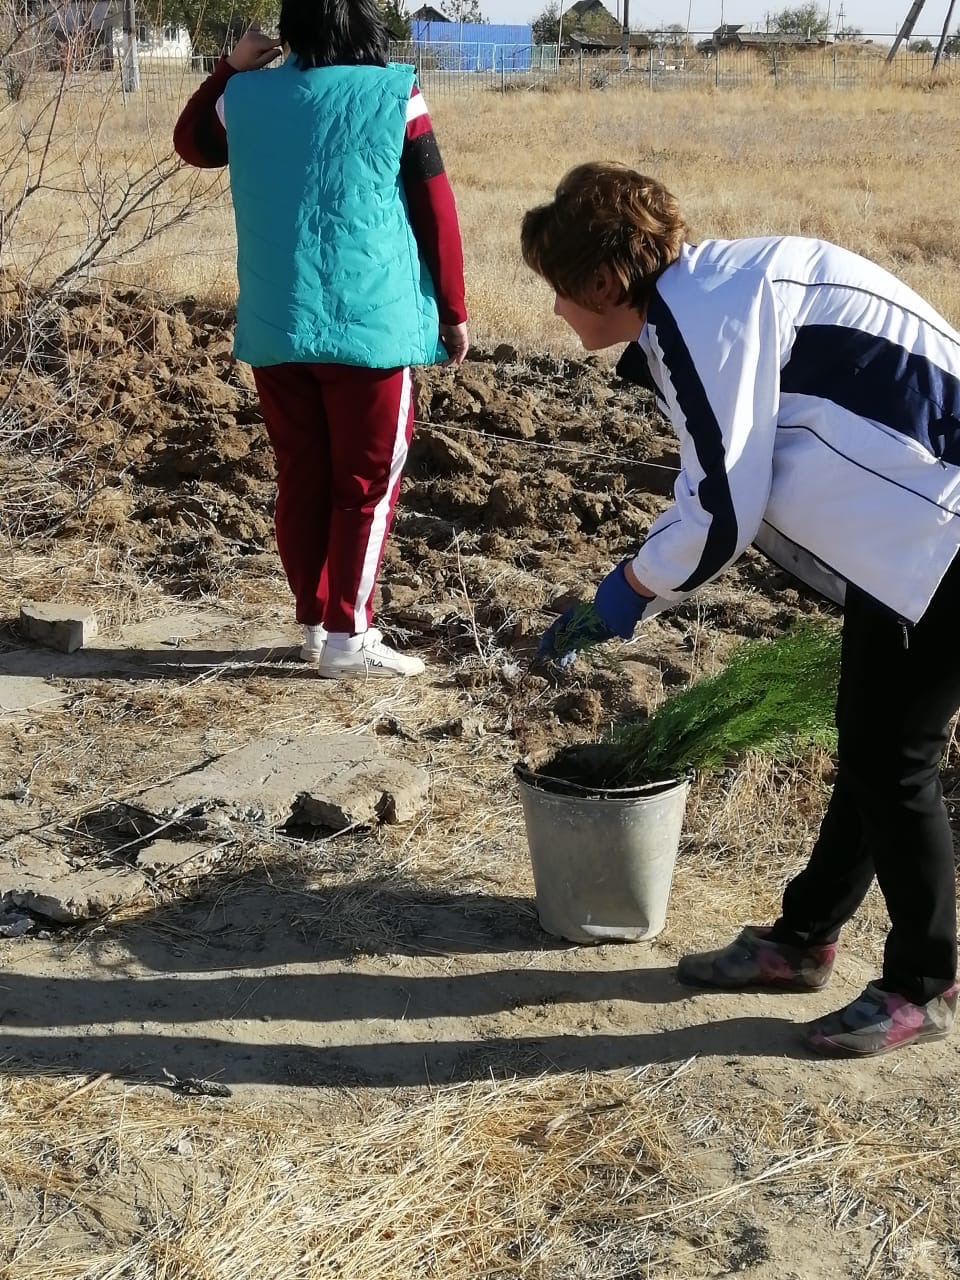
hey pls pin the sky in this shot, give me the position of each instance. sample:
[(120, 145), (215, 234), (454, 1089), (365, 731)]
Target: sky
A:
[(873, 17)]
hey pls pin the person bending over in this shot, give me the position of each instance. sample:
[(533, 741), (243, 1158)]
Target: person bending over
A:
[(817, 403)]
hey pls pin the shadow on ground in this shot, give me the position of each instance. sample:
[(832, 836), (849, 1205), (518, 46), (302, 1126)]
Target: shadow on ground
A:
[(253, 988), (168, 662), (144, 1058)]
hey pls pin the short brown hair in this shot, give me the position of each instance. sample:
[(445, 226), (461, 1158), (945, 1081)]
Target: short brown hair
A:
[(604, 214)]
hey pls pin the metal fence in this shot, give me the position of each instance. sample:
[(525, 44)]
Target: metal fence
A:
[(463, 70), (458, 69)]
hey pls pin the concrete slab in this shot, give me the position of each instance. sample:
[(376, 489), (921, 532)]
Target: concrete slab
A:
[(85, 664), (333, 782), (224, 649), (242, 639), (203, 639), (170, 629), (19, 694), (170, 856), (173, 644), (45, 881)]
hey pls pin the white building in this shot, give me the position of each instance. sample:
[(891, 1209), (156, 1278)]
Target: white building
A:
[(167, 41), (86, 29)]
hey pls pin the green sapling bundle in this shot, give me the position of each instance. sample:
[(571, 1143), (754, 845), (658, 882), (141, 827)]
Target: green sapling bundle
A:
[(773, 697)]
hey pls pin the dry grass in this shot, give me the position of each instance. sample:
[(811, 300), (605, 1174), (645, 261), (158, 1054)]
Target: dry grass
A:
[(752, 163), (473, 1181), (864, 167), (565, 1176), (575, 1176)]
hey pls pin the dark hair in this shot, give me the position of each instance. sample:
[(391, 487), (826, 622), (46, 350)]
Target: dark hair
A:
[(332, 33), (604, 214)]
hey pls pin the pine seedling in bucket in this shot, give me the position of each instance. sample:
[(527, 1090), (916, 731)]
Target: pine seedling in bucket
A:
[(773, 697), (603, 823)]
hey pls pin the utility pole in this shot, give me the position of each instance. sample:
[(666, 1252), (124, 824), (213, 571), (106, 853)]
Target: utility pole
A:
[(626, 29), (906, 31), (943, 35), (129, 68)]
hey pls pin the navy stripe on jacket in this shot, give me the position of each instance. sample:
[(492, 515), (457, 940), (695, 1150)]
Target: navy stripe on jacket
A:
[(700, 421), (877, 379)]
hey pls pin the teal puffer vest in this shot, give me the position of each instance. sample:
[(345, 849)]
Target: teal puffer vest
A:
[(327, 261)]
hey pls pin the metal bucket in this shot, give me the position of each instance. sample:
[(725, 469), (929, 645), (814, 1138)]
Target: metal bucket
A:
[(602, 860)]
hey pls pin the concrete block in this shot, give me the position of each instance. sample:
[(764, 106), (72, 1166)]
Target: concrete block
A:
[(336, 782), (66, 627), (46, 882)]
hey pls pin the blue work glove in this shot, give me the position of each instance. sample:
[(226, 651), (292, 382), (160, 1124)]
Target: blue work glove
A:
[(615, 611), (579, 628)]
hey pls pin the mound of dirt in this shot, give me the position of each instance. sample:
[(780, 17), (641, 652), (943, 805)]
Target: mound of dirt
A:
[(526, 481)]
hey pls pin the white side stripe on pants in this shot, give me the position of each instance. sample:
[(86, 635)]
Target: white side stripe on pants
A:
[(378, 526)]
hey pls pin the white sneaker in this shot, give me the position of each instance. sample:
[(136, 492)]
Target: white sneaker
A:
[(314, 638), (372, 658)]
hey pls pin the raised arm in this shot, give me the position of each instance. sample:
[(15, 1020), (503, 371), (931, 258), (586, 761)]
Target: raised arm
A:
[(199, 137)]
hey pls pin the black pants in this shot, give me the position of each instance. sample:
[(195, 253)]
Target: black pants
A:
[(886, 817)]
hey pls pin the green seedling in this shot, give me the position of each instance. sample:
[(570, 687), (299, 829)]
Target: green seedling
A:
[(774, 697)]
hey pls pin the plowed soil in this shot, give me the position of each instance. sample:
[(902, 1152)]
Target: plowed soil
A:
[(527, 480)]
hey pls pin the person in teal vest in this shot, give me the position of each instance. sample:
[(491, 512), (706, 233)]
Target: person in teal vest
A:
[(350, 269)]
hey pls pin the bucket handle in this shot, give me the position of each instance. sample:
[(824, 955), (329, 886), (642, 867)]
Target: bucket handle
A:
[(560, 786)]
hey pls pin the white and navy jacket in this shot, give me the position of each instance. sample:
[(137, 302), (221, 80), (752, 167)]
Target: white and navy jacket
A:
[(817, 402)]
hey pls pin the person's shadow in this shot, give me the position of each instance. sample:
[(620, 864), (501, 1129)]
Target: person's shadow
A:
[(383, 1016), (155, 662)]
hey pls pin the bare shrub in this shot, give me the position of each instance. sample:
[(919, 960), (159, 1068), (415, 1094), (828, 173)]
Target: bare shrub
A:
[(84, 186)]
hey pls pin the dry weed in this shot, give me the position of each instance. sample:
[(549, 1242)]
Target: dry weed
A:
[(586, 1176)]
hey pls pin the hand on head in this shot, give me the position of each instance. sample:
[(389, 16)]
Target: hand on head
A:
[(254, 50)]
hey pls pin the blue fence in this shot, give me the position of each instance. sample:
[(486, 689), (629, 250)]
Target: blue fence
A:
[(472, 46)]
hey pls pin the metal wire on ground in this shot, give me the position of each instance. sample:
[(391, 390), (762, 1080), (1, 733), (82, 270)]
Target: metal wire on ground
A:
[(614, 459)]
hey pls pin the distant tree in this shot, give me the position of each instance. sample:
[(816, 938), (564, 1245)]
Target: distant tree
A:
[(465, 11), (546, 26), (395, 17), (214, 25), (596, 22), (806, 20), (952, 46), (921, 46), (675, 35)]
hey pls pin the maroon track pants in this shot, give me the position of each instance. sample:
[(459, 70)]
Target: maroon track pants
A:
[(340, 435)]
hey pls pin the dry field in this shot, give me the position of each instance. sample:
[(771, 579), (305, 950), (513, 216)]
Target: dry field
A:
[(869, 168), (423, 1084)]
